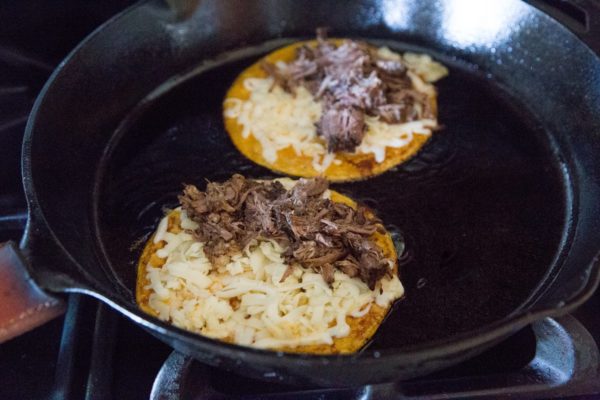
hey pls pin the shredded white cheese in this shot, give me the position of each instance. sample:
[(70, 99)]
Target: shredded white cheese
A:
[(424, 66), (266, 313), (279, 120)]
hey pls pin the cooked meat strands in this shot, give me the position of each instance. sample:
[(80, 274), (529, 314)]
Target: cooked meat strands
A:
[(285, 265), (338, 108)]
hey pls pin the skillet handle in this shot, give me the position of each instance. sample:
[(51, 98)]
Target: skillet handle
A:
[(585, 12), (23, 305)]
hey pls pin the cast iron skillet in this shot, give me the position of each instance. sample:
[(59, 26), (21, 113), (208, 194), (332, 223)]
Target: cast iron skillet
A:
[(500, 212)]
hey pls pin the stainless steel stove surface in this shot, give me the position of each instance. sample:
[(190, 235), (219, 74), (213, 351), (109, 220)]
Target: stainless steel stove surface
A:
[(94, 353)]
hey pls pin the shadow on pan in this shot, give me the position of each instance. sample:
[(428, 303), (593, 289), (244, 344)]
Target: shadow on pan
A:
[(498, 210)]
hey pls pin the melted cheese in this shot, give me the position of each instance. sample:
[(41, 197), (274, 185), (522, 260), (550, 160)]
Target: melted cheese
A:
[(278, 120), (243, 300)]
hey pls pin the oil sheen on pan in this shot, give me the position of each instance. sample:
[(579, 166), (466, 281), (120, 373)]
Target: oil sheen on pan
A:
[(222, 266), (338, 108)]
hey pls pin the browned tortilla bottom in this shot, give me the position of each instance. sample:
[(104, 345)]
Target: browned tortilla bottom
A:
[(361, 329), (352, 166)]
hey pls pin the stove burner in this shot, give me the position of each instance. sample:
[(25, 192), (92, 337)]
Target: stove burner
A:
[(564, 356)]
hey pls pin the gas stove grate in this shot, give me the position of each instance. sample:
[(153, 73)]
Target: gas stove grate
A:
[(565, 360)]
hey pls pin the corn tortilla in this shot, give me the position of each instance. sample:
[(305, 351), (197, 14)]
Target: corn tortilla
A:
[(352, 166), (361, 329)]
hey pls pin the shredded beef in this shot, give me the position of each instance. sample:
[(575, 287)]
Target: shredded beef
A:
[(353, 81), (342, 127), (316, 232)]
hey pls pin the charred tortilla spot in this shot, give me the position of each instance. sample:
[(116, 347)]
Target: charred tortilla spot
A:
[(366, 165)]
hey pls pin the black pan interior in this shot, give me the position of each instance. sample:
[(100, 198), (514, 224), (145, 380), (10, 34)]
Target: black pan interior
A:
[(482, 208)]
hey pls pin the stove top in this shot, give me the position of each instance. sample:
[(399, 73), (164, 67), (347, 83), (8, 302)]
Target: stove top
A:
[(94, 353)]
